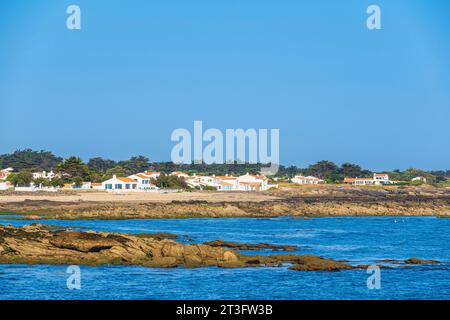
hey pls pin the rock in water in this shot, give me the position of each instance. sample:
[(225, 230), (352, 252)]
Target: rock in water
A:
[(39, 244)]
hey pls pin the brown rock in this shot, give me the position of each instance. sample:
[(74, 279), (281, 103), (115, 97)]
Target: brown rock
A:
[(38, 245), (247, 246), (420, 261), (309, 262)]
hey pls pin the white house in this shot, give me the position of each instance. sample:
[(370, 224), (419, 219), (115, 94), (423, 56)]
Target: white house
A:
[(144, 181), (250, 182), (152, 174), (43, 174), (180, 174), (194, 181), (378, 179), (306, 180), (120, 184), (208, 180), (226, 183), (381, 178)]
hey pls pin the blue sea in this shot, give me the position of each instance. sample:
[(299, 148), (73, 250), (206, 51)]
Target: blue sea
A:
[(360, 240)]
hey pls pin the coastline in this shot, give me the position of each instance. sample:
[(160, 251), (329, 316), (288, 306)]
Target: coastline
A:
[(54, 245), (308, 201)]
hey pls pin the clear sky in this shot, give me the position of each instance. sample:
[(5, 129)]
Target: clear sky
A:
[(137, 70)]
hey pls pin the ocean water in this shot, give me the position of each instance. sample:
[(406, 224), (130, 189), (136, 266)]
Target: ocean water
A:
[(360, 240)]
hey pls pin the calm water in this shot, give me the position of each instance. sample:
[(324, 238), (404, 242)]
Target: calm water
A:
[(359, 240)]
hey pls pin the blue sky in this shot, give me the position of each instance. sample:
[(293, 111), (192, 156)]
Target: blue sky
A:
[(137, 70)]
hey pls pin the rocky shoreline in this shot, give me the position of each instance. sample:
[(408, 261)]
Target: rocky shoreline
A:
[(41, 244), (322, 201)]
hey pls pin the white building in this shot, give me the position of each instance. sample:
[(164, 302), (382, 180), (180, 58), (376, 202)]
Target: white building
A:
[(180, 174), (144, 181), (250, 182), (378, 179), (226, 183), (194, 182), (43, 174), (120, 184), (306, 180), (152, 174), (381, 178)]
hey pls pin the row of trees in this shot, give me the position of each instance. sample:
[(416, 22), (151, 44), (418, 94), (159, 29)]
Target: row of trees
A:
[(97, 169), (24, 178)]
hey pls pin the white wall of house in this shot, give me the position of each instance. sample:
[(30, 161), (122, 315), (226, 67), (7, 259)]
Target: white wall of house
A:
[(144, 182), (363, 182), (381, 179), (119, 184), (306, 180), (249, 178)]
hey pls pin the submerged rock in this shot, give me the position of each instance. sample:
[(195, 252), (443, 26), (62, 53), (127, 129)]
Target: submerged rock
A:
[(313, 263), (420, 261), (411, 261), (246, 246), (158, 235)]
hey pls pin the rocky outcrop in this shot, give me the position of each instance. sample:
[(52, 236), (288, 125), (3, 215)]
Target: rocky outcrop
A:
[(38, 244)]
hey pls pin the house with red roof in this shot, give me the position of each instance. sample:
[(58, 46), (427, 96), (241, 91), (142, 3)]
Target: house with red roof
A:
[(378, 179)]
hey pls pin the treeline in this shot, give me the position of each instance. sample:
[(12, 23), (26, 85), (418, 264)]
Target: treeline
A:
[(98, 169), (30, 160)]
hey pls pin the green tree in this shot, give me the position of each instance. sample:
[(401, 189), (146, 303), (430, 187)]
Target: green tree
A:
[(95, 176), (118, 171), (21, 179), (73, 167), (29, 160), (135, 164), (326, 170), (77, 181), (40, 182), (351, 170), (57, 182), (100, 165), (169, 182)]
